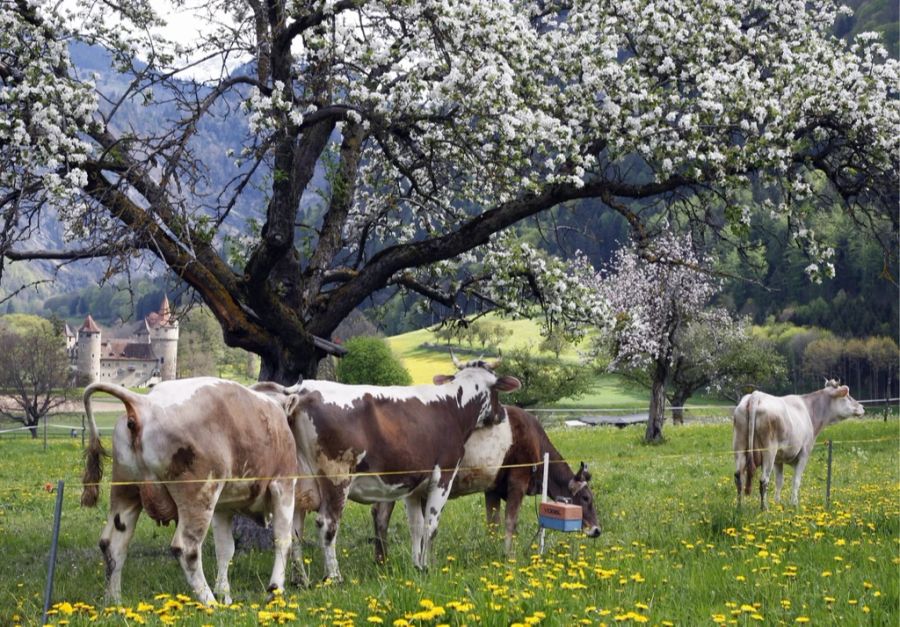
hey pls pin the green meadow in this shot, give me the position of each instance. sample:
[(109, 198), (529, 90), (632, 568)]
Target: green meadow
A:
[(675, 550)]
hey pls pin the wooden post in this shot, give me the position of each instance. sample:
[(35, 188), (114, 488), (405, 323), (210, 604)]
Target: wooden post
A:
[(54, 543), (828, 480)]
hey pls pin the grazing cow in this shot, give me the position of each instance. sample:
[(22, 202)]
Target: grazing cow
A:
[(374, 444), (179, 453), (506, 461), (770, 431)]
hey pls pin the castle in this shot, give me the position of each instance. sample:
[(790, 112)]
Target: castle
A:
[(135, 355)]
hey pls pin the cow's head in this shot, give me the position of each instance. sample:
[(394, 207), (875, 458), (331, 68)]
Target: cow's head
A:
[(286, 396), (477, 380), (580, 493), (842, 404)]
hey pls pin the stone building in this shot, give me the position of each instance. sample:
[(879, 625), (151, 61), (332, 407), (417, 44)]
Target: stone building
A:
[(137, 354)]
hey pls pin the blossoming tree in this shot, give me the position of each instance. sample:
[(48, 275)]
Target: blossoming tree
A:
[(719, 353), (654, 303), (440, 124)]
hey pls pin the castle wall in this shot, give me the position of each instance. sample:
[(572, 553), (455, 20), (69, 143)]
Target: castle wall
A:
[(127, 372)]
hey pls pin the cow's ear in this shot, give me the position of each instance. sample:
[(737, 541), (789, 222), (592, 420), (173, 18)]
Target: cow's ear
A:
[(507, 383), (575, 486), (841, 391), (290, 404), (583, 474), (441, 379)]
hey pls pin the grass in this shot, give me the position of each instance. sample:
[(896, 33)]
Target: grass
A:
[(423, 363), (675, 550)]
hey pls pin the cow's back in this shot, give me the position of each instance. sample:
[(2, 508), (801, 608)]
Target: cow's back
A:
[(385, 433)]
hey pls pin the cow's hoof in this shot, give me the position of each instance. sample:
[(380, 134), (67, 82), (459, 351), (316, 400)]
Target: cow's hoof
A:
[(274, 593), (224, 598)]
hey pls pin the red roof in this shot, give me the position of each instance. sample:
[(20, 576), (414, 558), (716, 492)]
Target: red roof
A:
[(89, 325), (162, 317)]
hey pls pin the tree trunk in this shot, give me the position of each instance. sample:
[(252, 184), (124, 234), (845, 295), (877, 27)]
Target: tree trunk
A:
[(287, 369), (657, 403), (678, 400)]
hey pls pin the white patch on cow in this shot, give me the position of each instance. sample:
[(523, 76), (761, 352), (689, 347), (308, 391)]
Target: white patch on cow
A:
[(485, 450), (345, 396), (180, 391), (372, 489)]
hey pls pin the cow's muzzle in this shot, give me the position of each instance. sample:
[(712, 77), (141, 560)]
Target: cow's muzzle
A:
[(592, 532)]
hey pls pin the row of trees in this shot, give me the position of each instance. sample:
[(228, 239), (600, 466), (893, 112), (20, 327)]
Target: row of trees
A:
[(868, 365)]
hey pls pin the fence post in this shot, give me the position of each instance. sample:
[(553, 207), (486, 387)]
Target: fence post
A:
[(544, 499), (828, 480), (54, 543), (82, 430), (45, 431)]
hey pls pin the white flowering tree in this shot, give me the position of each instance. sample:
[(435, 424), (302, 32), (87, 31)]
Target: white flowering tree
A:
[(441, 124), (654, 295), (715, 352)]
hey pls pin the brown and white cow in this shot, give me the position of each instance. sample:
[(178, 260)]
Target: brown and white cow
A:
[(770, 431), (506, 461), (182, 453), (380, 444)]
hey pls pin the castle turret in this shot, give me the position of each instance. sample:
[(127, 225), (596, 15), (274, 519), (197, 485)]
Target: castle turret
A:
[(87, 363), (164, 339)]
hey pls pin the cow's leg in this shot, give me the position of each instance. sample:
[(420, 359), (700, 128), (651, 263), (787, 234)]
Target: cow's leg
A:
[(798, 476), (124, 510), (334, 498), (492, 509), (282, 495), (381, 517), (768, 463), (438, 494), (513, 503), (415, 514), (299, 576), (779, 480), (740, 459), (195, 512), (223, 536)]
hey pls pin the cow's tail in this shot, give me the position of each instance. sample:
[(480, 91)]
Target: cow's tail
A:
[(93, 456), (750, 466)]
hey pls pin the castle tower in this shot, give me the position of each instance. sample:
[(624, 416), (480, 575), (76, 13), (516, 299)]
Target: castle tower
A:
[(164, 339), (87, 364)]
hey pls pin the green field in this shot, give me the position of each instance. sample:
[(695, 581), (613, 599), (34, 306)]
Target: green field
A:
[(674, 549), (423, 363), (610, 391)]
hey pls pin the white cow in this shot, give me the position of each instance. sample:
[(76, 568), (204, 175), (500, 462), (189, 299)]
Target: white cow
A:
[(194, 451), (770, 431)]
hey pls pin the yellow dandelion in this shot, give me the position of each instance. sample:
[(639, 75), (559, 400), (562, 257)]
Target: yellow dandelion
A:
[(801, 619)]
